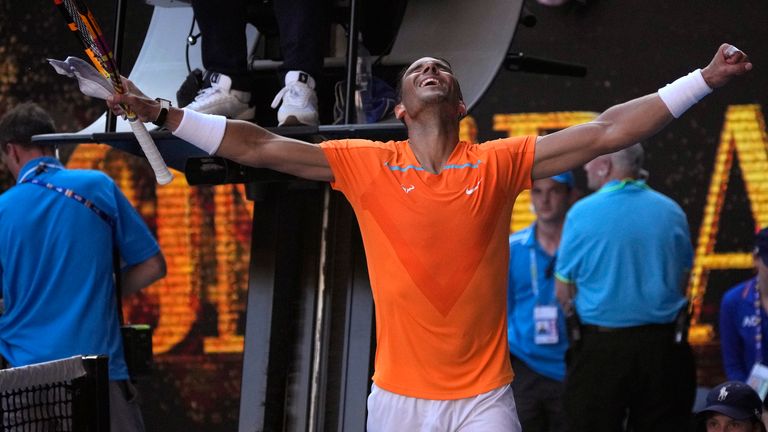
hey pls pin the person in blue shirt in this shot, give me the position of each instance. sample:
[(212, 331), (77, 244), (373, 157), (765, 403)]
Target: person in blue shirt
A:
[(537, 336), (56, 260), (743, 318), (622, 266)]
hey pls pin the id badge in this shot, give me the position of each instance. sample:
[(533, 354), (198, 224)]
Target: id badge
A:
[(545, 325), (758, 379)]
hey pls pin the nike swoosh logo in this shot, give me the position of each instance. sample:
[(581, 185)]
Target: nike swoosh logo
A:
[(470, 191)]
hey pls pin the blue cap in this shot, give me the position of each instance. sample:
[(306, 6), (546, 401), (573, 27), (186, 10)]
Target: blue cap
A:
[(735, 400), (565, 178)]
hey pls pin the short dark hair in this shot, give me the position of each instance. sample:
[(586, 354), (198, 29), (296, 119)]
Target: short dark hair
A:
[(401, 74), (19, 124)]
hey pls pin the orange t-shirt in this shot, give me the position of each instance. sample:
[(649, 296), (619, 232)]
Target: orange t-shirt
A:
[(437, 250)]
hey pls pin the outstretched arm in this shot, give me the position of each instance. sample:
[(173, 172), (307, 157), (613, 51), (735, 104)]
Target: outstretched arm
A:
[(242, 142), (625, 124)]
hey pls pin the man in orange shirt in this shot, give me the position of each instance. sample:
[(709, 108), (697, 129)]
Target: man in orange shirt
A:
[(434, 213)]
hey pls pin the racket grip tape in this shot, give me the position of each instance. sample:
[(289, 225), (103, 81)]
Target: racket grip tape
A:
[(162, 173)]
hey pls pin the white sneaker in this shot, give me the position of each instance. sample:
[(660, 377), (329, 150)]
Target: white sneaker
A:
[(220, 99), (299, 100)]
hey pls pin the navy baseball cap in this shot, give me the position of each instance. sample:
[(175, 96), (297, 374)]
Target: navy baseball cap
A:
[(736, 400), (566, 178), (761, 245)]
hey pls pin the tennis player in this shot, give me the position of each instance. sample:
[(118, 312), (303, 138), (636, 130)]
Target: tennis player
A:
[(434, 214)]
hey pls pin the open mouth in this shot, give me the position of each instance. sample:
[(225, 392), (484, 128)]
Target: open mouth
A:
[(429, 82)]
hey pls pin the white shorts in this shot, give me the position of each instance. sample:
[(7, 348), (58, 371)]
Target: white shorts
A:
[(487, 412)]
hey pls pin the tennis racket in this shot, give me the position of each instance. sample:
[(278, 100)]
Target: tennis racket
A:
[(82, 22)]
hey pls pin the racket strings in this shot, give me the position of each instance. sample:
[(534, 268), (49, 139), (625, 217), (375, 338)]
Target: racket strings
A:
[(95, 46), (84, 25), (92, 38)]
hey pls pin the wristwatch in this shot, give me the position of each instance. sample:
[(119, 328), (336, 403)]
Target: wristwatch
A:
[(165, 105)]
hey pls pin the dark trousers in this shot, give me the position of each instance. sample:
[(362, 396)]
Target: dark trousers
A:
[(124, 412), (224, 46), (639, 376), (539, 400)]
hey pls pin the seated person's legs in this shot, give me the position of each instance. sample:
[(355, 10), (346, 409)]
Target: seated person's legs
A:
[(227, 87), (300, 25), (227, 84)]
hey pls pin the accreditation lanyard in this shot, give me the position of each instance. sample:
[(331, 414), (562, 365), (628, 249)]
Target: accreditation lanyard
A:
[(39, 169), (615, 185), (759, 323), (69, 193), (544, 315), (535, 276)]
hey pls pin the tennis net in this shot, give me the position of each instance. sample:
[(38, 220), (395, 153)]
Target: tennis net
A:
[(68, 395)]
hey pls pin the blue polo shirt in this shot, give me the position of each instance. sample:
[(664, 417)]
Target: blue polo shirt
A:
[(528, 261), (626, 248), (740, 322), (56, 266)]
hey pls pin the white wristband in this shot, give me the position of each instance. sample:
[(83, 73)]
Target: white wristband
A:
[(204, 131), (684, 92)]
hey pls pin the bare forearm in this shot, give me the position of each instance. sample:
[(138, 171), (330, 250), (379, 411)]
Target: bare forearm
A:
[(564, 292), (626, 124), (251, 145), (618, 127), (643, 117), (139, 276), (244, 142)]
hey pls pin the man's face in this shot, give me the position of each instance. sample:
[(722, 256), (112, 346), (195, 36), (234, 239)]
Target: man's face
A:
[(722, 423), (429, 80), (597, 170), (550, 200)]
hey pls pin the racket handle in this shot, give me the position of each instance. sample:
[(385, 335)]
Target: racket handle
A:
[(162, 173)]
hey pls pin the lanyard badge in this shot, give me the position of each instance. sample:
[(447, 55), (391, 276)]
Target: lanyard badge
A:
[(544, 316), (545, 320)]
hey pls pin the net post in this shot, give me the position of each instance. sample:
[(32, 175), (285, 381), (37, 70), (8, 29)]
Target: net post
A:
[(90, 403)]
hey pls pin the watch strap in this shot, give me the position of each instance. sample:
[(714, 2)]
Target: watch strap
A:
[(165, 105)]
